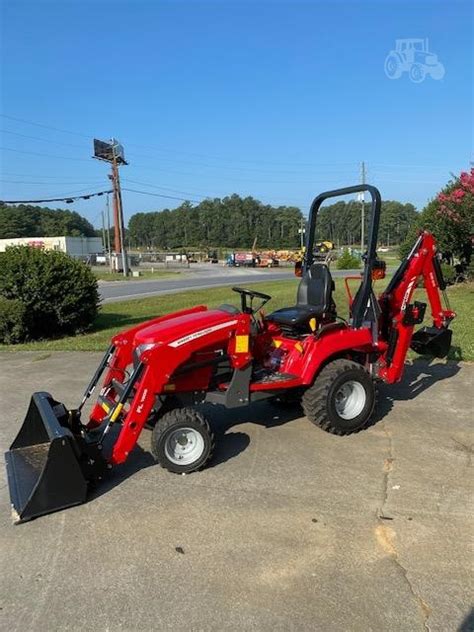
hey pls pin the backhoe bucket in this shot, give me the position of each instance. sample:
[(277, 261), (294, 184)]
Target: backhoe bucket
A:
[(432, 341), (44, 472)]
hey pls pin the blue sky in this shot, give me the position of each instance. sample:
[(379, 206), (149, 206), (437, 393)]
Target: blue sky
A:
[(278, 100)]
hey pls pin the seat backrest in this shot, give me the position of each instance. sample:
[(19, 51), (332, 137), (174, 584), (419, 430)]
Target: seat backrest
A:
[(316, 288)]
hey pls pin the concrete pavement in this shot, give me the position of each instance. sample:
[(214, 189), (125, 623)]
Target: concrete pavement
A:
[(289, 529)]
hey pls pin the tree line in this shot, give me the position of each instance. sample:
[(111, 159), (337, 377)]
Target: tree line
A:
[(24, 220), (236, 222), (341, 222), (232, 222)]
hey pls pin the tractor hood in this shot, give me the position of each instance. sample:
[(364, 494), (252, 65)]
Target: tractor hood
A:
[(179, 330)]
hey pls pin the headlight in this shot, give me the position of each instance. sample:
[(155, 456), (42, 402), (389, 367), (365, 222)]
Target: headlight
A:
[(142, 348)]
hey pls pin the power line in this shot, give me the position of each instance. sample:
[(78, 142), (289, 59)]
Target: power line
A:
[(332, 167), (206, 156), (167, 149), (29, 175), (406, 166), (182, 173), (49, 183), (44, 140), (56, 129), (154, 186), (67, 199), (35, 153), (161, 195)]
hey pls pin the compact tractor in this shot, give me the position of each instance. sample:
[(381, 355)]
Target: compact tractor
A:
[(157, 374)]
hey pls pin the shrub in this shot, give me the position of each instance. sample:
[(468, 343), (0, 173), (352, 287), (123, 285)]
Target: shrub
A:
[(59, 293), (450, 217), (13, 326), (347, 261), (449, 273)]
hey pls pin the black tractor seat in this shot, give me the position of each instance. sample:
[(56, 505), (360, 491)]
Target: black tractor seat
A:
[(296, 316), (314, 300)]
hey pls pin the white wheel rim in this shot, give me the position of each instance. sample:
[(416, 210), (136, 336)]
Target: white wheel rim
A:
[(350, 400), (184, 446)]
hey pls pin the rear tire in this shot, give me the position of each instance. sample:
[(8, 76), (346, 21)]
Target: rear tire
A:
[(182, 441), (342, 399)]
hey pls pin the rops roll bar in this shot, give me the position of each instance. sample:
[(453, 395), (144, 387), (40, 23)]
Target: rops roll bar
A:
[(362, 297)]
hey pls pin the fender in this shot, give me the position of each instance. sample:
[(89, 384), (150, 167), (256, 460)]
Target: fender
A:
[(329, 345)]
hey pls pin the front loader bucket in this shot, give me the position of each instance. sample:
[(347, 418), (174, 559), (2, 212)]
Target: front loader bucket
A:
[(44, 473)]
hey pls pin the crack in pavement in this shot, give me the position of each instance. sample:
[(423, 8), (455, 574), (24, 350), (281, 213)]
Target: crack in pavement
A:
[(467, 449), (385, 534)]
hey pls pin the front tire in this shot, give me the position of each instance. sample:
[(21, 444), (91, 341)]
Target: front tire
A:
[(182, 441), (417, 73), (437, 71), (342, 398)]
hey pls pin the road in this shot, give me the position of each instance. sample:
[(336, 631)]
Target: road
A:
[(196, 279), (290, 529)]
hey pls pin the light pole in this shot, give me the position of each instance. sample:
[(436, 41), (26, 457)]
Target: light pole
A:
[(302, 232)]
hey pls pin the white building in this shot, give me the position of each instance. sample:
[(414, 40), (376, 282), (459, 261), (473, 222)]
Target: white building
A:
[(74, 246)]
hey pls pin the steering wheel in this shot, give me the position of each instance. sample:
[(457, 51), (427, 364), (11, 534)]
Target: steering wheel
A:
[(247, 308)]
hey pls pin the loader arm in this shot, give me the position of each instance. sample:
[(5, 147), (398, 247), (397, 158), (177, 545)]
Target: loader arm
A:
[(400, 314)]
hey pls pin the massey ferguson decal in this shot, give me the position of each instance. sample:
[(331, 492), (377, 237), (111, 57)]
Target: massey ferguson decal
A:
[(407, 295), (199, 334)]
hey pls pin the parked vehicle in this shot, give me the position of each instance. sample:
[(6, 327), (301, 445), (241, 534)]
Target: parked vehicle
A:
[(242, 259), (157, 371)]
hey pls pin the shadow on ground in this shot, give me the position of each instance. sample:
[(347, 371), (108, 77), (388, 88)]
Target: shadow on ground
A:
[(418, 377)]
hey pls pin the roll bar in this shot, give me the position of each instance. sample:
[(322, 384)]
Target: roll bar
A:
[(363, 295)]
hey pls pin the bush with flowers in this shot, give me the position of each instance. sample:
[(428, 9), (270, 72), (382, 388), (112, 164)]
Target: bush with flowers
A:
[(450, 217)]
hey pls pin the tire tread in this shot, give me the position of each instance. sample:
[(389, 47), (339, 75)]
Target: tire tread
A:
[(315, 398), (172, 418)]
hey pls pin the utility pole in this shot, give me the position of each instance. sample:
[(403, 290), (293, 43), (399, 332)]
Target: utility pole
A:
[(109, 250), (362, 208), (112, 152), (302, 232), (119, 230), (104, 239)]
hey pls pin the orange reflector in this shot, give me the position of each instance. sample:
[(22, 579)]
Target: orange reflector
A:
[(241, 344)]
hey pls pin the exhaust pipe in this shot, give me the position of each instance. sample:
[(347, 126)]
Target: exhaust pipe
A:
[(46, 465)]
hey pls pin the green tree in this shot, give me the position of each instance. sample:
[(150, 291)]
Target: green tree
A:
[(229, 222), (24, 220)]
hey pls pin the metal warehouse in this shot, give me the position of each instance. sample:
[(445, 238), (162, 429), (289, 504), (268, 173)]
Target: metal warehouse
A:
[(74, 246)]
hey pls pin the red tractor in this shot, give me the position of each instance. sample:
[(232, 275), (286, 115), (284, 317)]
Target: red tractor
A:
[(156, 373)]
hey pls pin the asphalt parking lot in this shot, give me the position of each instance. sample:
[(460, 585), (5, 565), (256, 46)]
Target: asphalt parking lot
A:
[(290, 529)]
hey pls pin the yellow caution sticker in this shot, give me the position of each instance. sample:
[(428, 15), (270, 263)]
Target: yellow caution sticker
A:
[(299, 347), (277, 343), (106, 407), (241, 344), (312, 324), (116, 412)]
